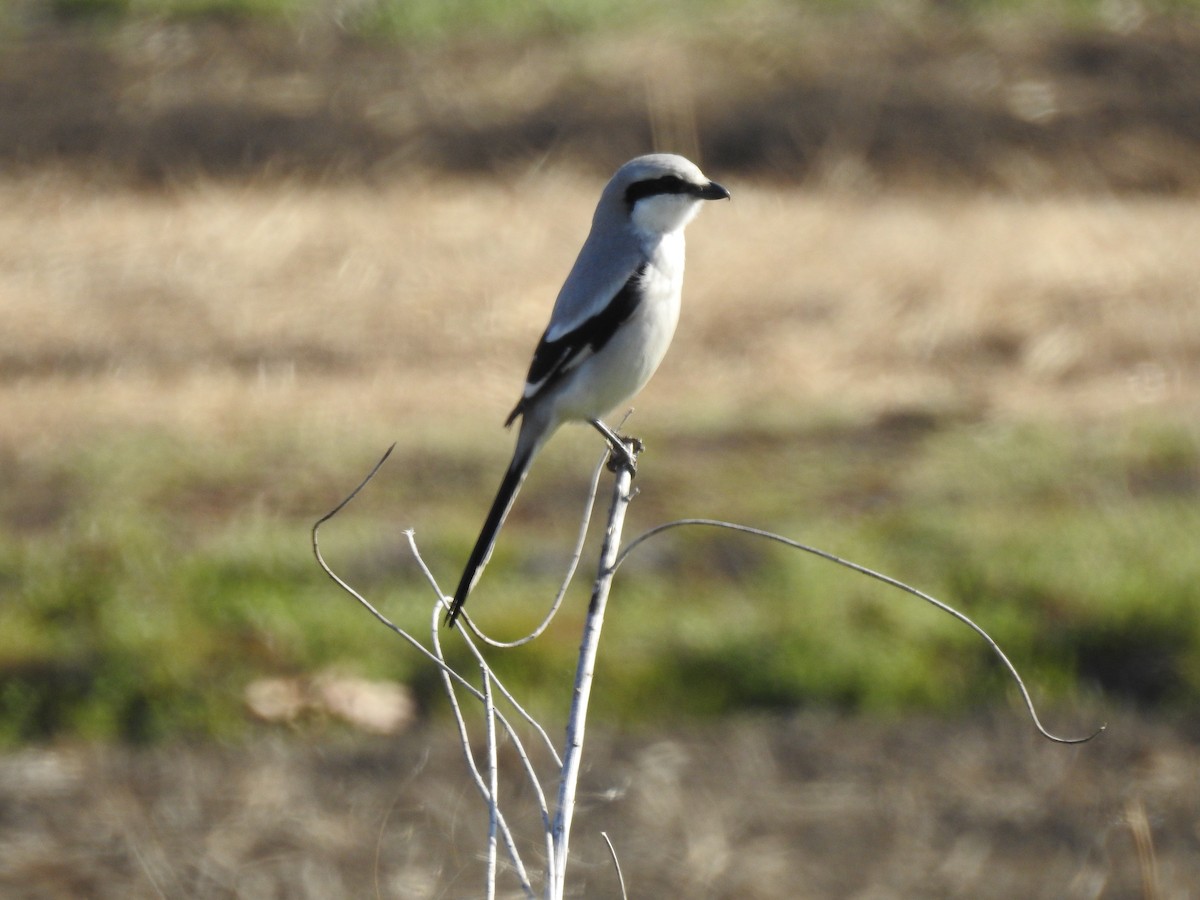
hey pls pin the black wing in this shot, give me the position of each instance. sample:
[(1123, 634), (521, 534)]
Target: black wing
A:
[(554, 359)]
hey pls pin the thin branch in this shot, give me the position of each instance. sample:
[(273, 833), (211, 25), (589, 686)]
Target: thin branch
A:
[(354, 493), (557, 832), (589, 505), (612, 851), (518, 744), (878, 576), (437, 660), (489, 718), (448, 674), (363, 601), (589, 647), (504, 691), (615, 444), (496, 817)]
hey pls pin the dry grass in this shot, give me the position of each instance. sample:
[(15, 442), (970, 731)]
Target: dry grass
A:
[(234, 311), (219, 309), (390, 287), (937, 95), (813, 806), (403, 303)]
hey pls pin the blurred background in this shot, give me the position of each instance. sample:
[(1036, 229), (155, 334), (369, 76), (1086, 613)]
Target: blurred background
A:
[(949, 328)]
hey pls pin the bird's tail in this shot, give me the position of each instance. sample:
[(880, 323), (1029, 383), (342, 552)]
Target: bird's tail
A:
[(513, 479)]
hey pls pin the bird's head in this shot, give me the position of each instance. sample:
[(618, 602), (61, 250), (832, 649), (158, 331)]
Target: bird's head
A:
[(660, 193)]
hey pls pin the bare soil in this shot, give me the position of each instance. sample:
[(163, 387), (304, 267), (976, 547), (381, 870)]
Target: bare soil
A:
[(811, 806)]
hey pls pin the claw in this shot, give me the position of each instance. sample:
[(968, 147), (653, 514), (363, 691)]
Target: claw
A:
[(625, 454), (627, 448)]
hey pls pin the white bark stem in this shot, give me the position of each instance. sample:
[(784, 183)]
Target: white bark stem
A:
[(589, 645)]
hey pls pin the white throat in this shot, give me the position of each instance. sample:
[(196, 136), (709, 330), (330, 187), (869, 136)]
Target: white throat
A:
[(663, 214)]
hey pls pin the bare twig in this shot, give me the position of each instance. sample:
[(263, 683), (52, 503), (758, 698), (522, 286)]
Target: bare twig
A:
[(489, 718), (878, 576), (450, 678), (589, 646), (572, 565), (496, 818), (557, 829), (612, 851), (437, 659), (500, 686), (486, 788)]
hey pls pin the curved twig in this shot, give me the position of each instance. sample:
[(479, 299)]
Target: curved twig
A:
[(496, 818), (878, 576), (435, 637), (488, 794), (612, 851), (589, 506), (449, 675)]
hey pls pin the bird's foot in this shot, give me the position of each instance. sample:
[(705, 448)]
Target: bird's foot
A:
[(625, 453), (624, 449)]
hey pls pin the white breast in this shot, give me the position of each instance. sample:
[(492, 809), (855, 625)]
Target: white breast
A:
[(624, 365)]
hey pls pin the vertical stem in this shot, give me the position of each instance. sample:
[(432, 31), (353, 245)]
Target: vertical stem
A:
[(489, 711), (583, 679)]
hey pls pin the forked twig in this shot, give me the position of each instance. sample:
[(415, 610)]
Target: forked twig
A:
[(451, 678), (612, 555), (557, 832), (878, 576), (435, 637)]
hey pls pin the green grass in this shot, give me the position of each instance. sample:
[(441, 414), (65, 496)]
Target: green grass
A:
[(148, 579), (424, 20)]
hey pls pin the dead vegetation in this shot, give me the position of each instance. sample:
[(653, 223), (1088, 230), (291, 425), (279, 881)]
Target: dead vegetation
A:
[(813, 806), (932, 99), (232, 307), (216, 205), (229, 231)]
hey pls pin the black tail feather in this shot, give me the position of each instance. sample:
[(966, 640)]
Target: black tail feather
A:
[(513, 478)]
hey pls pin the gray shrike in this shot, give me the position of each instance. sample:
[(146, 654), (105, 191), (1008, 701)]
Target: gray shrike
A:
[(611, 324)]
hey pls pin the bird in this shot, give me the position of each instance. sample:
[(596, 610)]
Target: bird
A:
[(610, 325)]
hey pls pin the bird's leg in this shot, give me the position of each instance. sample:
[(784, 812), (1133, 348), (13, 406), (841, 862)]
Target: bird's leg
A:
[(626, 447)]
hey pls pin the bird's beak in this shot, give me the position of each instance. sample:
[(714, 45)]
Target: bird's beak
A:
[(713, 191)]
